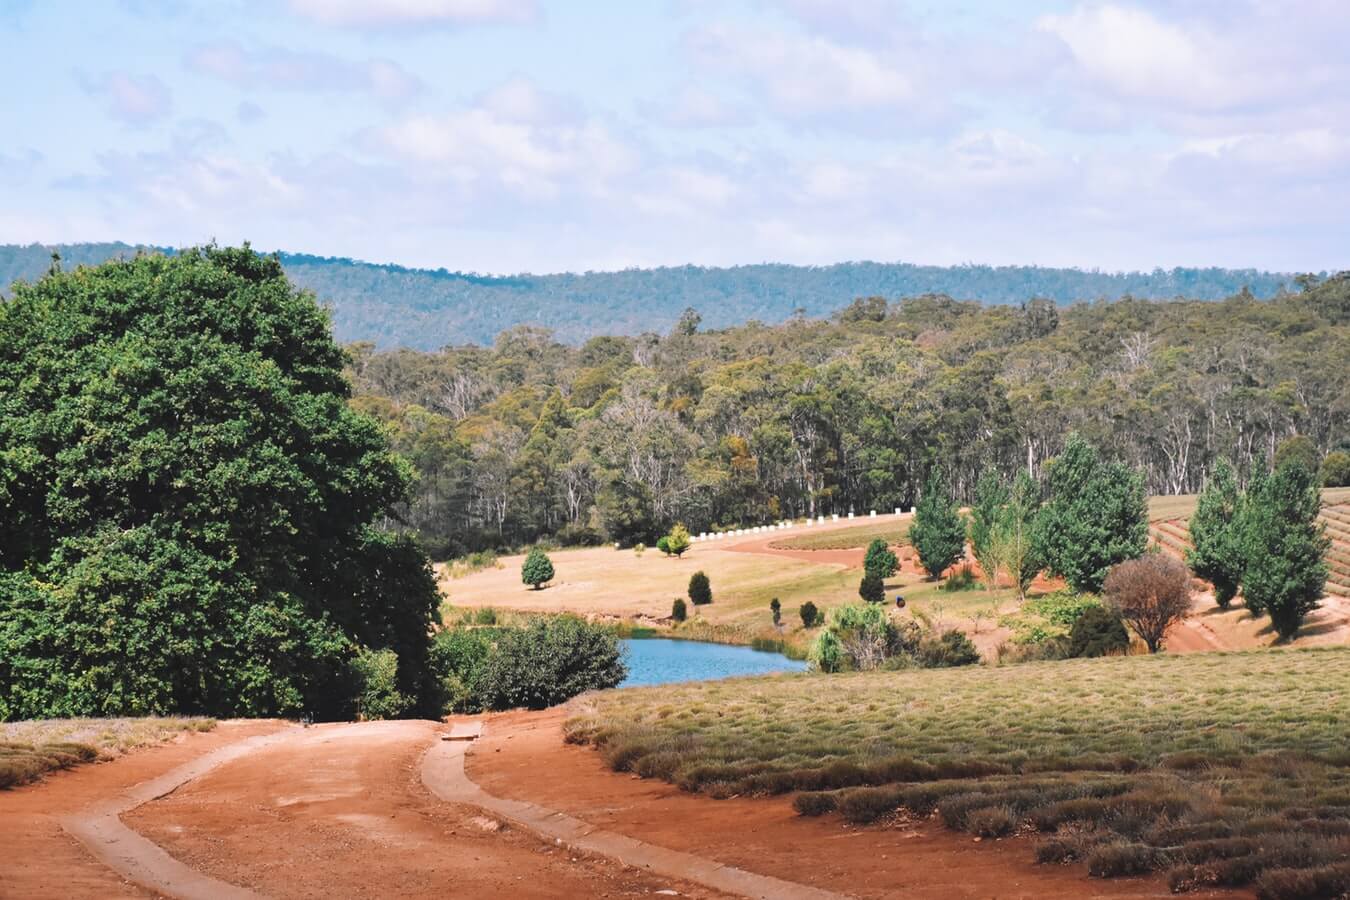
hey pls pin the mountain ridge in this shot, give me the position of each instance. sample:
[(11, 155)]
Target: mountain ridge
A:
[(393, 305)]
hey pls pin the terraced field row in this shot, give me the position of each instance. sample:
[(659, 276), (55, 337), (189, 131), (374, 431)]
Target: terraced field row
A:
[(1172, 535)]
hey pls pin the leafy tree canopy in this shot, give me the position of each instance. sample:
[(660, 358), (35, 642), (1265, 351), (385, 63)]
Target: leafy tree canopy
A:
[(188, 500)]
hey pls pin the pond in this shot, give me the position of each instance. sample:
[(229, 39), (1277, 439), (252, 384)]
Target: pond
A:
[(664, 661)]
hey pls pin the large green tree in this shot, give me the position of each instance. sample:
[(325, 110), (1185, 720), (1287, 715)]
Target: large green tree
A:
[(1218, 555), (938, 532), (188, 502), (1285, 570), (1096, 516)]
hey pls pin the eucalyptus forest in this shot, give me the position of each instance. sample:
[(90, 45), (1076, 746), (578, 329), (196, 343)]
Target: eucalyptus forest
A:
[(621, 436)]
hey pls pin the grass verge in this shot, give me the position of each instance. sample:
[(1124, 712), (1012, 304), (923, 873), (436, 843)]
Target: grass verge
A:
[(1220, 769), (31, 749)]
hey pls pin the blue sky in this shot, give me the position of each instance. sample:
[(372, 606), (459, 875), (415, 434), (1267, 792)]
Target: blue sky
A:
[(530, 135)]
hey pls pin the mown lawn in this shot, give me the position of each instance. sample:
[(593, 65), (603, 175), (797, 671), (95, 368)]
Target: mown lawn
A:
[(1227, 769)]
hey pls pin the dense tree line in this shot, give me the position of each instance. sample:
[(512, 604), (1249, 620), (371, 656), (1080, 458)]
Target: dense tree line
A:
[(623, 436), (394, 306)]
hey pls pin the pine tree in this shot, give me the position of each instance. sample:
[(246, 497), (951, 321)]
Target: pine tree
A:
[(871, 588), (678, 540), (1284, 543), (700, 590), (1014, 549), (880, 560), (938, 532), (1217, 555), (1097, 516)]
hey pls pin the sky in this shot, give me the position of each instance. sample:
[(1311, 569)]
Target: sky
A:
[(531, 135)]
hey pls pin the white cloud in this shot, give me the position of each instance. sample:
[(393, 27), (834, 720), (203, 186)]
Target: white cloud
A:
[(694, 106), (136, 100), (805, 75), (416, 12), (277, 68), (519, 99), (1137, 55)]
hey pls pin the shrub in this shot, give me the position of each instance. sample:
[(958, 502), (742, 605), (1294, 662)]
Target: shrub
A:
[(879, 560), (814, 803), (1151, 593), (962, 579), (485, 615), (678, 611), (864, 805), (376, 673), (1097, 516), (991, 821), (860, 637), (938, 533), (1124, 858), (700, 590), (810, 615), (953, 648), (678, 540), (550, 661), (639, 548), (776, 610), (537, 568), (457, 657), (1098, 632), (663, 544), (1336, 469), (872, 589), (1304, 884)]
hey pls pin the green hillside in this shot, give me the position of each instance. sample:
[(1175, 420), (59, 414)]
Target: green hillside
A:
[(426, 309)]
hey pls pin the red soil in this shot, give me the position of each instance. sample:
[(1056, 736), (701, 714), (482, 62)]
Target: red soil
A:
[(41, 860), (340, 811), (522, 756)]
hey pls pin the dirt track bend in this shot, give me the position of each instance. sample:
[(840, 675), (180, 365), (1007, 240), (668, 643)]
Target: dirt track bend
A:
[(341, 811)]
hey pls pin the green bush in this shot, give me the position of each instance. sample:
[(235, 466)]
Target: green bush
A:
[(700, 589), (1336, 469), (962, 579), (880, 560), (953, 648), (1216, 534), (458, 656), (678, 611), (663, 544), (537, 568), (678, 541), (376, 674), (810, 615), (548, 662), (1098, 631), (871, 588)]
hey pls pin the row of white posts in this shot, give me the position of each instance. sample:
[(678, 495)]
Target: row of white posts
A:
[(778, 526)]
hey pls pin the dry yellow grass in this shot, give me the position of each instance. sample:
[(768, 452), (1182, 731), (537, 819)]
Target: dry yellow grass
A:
[(604, 581)]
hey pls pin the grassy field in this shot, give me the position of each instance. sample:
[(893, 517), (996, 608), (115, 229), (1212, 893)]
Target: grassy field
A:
[(894, 531), (1225, 769), (30, 749)]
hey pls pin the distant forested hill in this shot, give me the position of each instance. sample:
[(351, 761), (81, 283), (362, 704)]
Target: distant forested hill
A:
[(425, 309)]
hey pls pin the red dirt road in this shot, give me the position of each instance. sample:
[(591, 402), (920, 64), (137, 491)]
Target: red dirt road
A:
[(340, 811), (522, 756), (41, 860)]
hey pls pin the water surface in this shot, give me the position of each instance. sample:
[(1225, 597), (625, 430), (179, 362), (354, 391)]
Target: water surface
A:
[(664, 661)]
